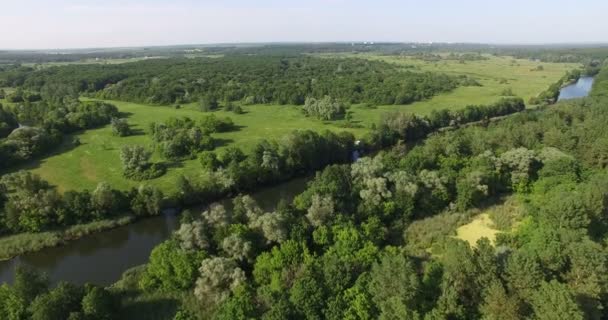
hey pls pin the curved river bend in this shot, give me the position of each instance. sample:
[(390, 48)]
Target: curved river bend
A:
[(579, 89), (101, 258)]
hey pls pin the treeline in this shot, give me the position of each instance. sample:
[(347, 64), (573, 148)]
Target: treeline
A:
[(32, 297), (30, 204), (350, 246), (250, 79), (44, 124), (600, 84), (410, 127)]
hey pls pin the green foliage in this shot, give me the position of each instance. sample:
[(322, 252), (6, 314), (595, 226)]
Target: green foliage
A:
[(120, 127), (171, 268), (136, 163), (326, 108), (251, 78), (554, 300), (8, 122), (146, 201)]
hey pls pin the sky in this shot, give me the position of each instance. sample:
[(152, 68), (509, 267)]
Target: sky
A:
[(52, 24)]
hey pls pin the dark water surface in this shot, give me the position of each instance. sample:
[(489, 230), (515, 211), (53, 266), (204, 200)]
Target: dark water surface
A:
[(101, 258), (579, 89)]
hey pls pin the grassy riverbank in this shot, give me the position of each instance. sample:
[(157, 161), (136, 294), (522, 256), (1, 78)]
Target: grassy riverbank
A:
[(15, 245)]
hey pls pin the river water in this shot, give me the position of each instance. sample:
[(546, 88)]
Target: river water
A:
[(101, 258), (580, 89)]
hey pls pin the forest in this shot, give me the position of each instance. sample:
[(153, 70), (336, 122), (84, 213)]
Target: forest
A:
[(248, 79)]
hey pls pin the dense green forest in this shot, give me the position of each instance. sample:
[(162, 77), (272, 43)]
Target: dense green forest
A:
[(250, 79), (374, 239)]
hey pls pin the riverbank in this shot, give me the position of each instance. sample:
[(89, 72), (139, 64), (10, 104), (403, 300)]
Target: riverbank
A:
[(19, 244)]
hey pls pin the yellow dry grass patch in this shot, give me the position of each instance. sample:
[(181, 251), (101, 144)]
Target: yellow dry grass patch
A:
[(481, 226)]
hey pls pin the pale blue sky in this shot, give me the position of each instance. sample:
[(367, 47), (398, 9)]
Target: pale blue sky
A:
[(110, 23)]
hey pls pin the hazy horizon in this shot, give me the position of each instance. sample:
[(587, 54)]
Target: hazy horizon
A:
[(77, 24)]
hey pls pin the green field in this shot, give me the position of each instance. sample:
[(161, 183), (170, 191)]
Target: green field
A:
[(97, 158), (495, 75)]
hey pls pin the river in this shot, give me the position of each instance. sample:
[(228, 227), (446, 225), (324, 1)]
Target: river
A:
[(580, 89), (101, 258)]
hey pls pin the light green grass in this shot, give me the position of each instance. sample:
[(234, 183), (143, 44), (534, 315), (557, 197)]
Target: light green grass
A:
[(89, 61), (503, 217), (97, 158), (480, 227), (490, 73)]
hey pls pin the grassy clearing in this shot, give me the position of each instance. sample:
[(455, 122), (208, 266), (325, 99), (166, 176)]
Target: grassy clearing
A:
[(495, 74), (481, 227), (97, 158), (18, 244), (498, 218), (89, 61)]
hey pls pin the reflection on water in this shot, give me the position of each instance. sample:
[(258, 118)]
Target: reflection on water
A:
[(101, 258), (579, 89)]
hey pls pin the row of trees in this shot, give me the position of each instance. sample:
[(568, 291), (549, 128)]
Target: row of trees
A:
[(32, 297), (30, 204), (251, 79), (410, 127)]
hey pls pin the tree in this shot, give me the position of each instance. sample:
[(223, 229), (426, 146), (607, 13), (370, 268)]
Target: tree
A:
[(209, 160), (219, 277), (271, 225), (147, 201), (321, 210), (394, 285), (554, 300), (135, 158), (57, 303), (208, 103), (217, 216), (99, 304), (499, 305), (120, 127), (171, 268), (192, 236), (326, 108), (104, 198), (238, 248), (27, 286), (31, 203), (28, 142), (522, 164), (308, 295), (8, 122)]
